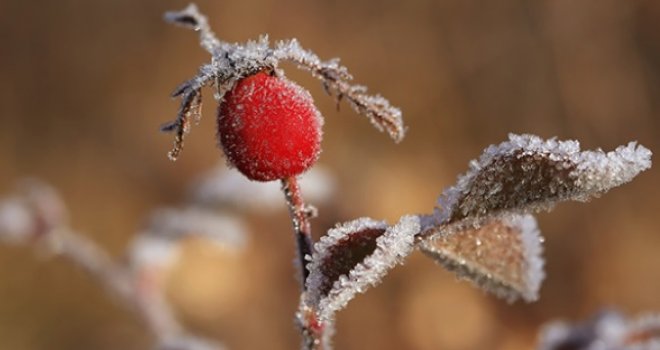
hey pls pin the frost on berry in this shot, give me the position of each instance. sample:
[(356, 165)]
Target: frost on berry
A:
[(231, 63), (354, 256), (528, 174), (269, 127), (502, 256), (608, 330)]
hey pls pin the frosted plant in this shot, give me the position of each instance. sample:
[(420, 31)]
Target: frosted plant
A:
[(502, 255), (525, 174), (482, 229), (609, 330), (233, 62), (37, 215)]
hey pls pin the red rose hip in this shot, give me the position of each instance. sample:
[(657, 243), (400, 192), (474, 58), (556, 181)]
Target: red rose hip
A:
[(269, 127)]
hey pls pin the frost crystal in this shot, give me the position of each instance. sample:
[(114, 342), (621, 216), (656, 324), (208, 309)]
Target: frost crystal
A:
[(233, 62), (503, 256), (528, 174), (608, 330), (353, 257)]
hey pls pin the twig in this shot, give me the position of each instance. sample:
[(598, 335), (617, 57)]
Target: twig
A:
[(311, 329)]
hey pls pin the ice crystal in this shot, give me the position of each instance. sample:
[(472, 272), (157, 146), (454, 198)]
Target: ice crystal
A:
[(232, 62), (528, 174), (503, 256), (608, 330), (353, 257)]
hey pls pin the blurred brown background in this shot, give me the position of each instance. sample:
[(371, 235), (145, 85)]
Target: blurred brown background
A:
[(85, 86)]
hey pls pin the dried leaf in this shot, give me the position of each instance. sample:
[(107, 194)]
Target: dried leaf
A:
[(354, 256), (503, 256), (528, 174)]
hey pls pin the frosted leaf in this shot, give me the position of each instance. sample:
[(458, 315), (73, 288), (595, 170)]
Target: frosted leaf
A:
[(608, 330), (231, 62), (503, 256), (528, 174), (17, 222), (354, 256), (221, 187), (176, 224)]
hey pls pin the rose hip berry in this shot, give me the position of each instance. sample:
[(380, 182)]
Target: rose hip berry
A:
[(269, 127)]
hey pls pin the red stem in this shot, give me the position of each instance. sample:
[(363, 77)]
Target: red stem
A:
[(300, 219), (311, 330)]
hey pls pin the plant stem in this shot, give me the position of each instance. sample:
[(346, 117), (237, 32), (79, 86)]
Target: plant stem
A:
[(300, 220), (312, 332)]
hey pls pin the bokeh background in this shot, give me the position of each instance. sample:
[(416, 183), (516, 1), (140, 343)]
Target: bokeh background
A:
[(85, 84)]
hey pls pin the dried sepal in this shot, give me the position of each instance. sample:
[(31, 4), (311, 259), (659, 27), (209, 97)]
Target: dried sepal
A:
[(352, 257), (336, 82), (502, 256), (191, 18), (528, 174), (232, 61)]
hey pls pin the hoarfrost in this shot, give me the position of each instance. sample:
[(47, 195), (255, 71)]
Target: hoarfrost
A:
[(528, 174), (354, 256), (503, 256), (232, 62)]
